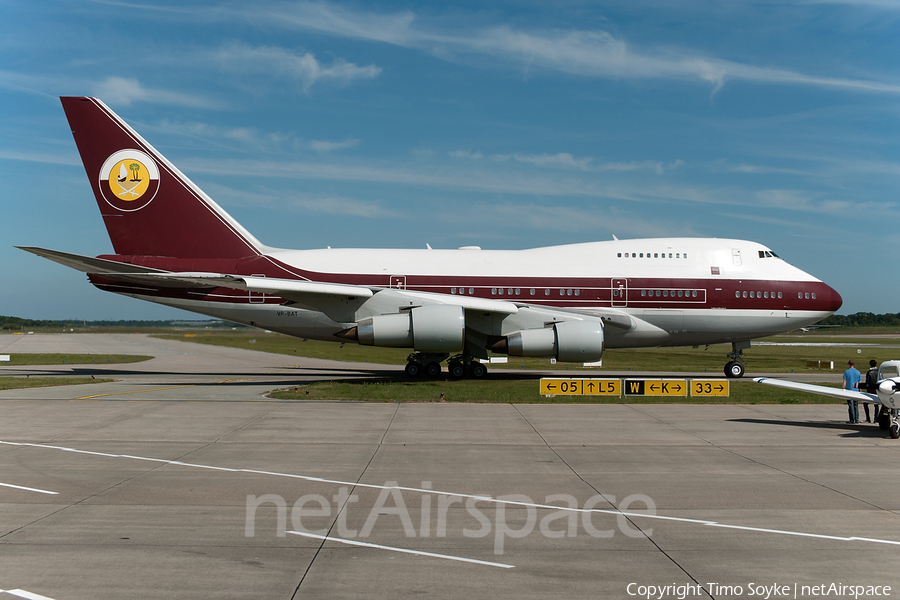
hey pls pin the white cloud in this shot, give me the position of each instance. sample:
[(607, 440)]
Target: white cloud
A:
[(511, 180), (578, 219), (466, 154), (763, 170), (328, 204), (563, 159), (340, 206), (881, 4), (806, 202), (304, 69), (393, 28), (578, 52), (121, 91), (246, 137), (69, 159), (326, 146)]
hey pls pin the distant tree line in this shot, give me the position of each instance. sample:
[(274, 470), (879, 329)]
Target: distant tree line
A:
[(18, 323), (11, 323), (863, 319)]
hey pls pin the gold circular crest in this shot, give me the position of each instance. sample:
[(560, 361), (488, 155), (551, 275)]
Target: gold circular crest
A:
[(129, 180)]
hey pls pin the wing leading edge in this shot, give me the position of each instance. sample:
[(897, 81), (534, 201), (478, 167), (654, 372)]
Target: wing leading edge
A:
[(822, 390)]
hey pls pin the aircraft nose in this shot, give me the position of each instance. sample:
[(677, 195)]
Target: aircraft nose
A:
[(831, 299)]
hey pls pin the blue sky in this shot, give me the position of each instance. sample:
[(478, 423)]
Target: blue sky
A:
[(510, 125)]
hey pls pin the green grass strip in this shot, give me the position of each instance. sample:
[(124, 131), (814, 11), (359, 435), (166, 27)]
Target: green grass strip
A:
[(522, 391), (760, 359), (17, 383), (73, 359)]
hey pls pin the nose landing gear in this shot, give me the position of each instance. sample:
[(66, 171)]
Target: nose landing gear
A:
[(887, 421)]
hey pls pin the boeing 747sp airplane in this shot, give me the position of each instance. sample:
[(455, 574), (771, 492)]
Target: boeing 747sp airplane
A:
[(174, 245)]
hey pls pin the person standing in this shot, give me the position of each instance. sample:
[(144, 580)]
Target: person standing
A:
[(852, 377), (872, 387)]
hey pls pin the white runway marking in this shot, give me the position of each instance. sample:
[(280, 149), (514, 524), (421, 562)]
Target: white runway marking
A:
[(476, 496), (24, 594), (404, 550), (27, 489)]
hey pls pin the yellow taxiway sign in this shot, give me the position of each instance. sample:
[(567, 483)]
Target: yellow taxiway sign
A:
[(709, 387), (581, 387)]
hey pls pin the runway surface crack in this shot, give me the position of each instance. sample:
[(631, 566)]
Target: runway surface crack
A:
[(612, 504), (343, 506)]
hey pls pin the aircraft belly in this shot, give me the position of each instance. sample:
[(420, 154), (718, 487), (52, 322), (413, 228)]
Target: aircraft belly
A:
[(711, 326)]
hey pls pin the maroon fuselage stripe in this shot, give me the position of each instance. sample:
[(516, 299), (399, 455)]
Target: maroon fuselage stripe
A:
[(564, 292)]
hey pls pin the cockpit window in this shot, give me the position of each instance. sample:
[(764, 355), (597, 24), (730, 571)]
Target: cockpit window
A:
[(767, 254), (889, 371)]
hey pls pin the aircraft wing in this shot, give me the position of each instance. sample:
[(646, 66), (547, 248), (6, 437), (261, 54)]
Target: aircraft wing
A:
[(822, 390), (340, 302)]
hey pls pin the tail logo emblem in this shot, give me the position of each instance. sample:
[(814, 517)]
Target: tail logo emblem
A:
[(129, 180)]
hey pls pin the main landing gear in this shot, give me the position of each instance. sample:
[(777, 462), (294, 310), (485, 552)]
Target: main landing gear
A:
[(426, 364), (734, 369)]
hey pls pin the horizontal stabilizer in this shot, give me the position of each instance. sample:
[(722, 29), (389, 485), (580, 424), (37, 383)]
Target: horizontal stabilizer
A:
[(87, 264), (285, 288)]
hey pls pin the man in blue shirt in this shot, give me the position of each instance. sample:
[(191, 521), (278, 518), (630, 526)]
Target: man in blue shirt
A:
[(852, 377)]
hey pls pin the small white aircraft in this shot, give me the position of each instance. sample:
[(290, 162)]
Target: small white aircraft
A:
[(887, 394), (174, 245)]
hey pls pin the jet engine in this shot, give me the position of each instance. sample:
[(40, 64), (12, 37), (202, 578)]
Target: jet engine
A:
[(432, 328), (567, 341)]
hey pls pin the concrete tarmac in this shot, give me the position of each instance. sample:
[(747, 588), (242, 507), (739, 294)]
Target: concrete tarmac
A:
[(182, 479)]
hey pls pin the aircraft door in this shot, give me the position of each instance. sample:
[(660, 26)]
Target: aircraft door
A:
[(619, 292), (736, 256), (398, 282)]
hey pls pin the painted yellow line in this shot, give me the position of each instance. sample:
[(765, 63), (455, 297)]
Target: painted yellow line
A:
[(174, 387)]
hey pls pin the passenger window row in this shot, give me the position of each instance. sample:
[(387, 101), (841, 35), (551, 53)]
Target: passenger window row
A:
[(651, 255), (669, 293), (739, 294), (517, 291)]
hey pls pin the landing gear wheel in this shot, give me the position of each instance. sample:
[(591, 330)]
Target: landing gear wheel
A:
[(884, 420), (734, 370), (478, 370), (413, 369), (895, 430), (432, 370), (457, 370)]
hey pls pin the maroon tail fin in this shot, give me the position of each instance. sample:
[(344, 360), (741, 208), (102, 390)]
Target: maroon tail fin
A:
[(150, 208)]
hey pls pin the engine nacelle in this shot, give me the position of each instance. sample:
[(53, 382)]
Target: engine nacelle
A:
[(567, 341), (887, 392), (432, 328)]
